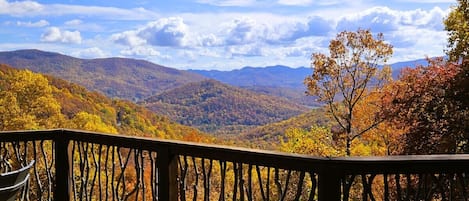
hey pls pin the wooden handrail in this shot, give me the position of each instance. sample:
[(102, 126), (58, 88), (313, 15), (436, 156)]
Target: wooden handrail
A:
[(330, 170)]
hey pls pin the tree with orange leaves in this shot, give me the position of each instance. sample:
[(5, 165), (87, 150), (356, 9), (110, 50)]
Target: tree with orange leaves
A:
[(342, 79)]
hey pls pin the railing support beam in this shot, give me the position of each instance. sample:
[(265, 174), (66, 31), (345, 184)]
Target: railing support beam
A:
[(329, 188), (167, 175), (63, 167)]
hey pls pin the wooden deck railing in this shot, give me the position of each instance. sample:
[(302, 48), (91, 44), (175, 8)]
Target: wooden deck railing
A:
[(79, 165)]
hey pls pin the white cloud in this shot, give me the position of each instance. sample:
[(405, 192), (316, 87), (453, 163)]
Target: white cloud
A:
[(303, 47), (104, 12), (90, 53), (140, 51), (315, 26), (384, 19), (163, 32), (20, 8), (54, 34), (432, 19), (378, 19), (228, 2), (40, 23), (247, 31), (32, 8), (295, 2), (428, 1), (73, 22), (248, 50), (423, 43), (128, 38), (314, 2), (209, 40), (244, 31)]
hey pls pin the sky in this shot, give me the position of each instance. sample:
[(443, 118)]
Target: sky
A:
[(219, 34)]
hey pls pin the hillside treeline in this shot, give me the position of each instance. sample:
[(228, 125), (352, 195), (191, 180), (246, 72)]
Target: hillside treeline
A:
[(34, 101)]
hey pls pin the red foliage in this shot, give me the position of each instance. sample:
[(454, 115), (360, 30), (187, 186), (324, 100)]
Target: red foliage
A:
[(423, 102)]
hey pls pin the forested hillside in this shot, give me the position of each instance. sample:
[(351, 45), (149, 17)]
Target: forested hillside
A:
[(33, 101), (270, 135), (130, 79), (219, 108)]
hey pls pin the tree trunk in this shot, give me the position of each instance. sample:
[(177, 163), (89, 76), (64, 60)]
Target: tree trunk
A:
[(349, 144)]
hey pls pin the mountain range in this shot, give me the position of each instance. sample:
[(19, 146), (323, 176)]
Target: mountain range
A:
[(281, 80), (240, 99)]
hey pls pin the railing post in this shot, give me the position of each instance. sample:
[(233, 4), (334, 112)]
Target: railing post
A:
[(329, 185), (167, 175), (62, 188)]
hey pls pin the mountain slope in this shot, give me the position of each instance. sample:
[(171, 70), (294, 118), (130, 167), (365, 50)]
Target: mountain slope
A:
[(115, 77), (34, 101), (219, 108), (270, 135)]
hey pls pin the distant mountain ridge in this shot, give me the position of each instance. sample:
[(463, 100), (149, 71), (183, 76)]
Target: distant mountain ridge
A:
[(220, 108), (279, 75), (281, 80), (116, 77)]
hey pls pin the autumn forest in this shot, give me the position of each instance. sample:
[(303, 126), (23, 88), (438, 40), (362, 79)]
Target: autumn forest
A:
[(349, 103)]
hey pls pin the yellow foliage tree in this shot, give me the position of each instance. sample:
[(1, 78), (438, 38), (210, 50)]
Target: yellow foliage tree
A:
[(26, 102), (91, 122), (317, 141)]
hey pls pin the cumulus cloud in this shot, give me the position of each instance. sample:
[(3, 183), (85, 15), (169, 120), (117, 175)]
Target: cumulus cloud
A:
[(163, 32), (90, 53), (402, 28), (40, 23), (432, 19), (128, 38), (209, 40), (315, 26), (384, 19), (54, 34), (247, 31), (378, 19), (244, 31)]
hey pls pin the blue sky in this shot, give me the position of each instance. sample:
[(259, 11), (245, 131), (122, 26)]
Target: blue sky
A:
[(218, 34)]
